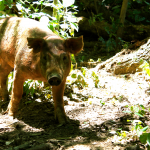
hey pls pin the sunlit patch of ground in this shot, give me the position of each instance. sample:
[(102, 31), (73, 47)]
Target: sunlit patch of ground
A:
[(96, 115)]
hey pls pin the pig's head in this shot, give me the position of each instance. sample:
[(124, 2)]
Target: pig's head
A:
[(55, 59)]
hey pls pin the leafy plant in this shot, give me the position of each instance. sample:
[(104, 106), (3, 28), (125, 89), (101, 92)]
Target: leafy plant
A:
[(63, 23), (86, 78), (3, 5), (95, 78), (65, 20), (98, 60), (145, 137), (146, 67), (122, 134), (136, 15), (138, 127), (138, 110), (94, 18), (102, 103), (30, 86), (111, 31), (82, 59), (79, 80), (91, 60), (116, 9), (84, 71), (73, 59), (141, 131), (10, 81), (27, 89)]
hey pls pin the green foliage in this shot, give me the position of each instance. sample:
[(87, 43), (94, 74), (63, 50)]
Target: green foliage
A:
[(85, 78), (95, 78), (135, 9), (94, 18), (145, 138), (79, 80), (65, 20), (102, 103), (138, 110), (98, 60), (10, 81), (73, 59), (111, 31), (3, 5), (125, 44), (29, 87), (116, 9), (110, 43), (91, 60), (141, 131), (63, 24), (122, 134), (145, 66), (84, 71), (137, 17), (137, 13), (92, 75), (82, 59)]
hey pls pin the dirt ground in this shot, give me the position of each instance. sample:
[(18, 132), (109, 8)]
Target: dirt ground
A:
[(96, 116)]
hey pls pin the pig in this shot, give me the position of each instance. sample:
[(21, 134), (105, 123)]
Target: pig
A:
[(33, 51)]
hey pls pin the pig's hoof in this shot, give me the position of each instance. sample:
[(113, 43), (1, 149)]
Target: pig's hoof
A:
[(5, 112), (10, 113), (63, 121), (60, 116)]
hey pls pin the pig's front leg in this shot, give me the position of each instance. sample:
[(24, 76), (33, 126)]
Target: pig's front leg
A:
[(17, 92), (58, 92)]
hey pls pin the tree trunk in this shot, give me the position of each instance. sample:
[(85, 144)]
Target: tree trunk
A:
[(122, 19)]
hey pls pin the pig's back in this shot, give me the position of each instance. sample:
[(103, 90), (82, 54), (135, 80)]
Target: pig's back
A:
[(13, 35)]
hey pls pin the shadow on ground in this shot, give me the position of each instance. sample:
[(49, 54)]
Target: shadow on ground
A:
[(36, 128)]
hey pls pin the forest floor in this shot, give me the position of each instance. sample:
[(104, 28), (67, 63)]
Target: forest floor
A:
[(97, 120)]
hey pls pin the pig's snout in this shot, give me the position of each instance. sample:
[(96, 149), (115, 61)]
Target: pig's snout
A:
[(54, 80)]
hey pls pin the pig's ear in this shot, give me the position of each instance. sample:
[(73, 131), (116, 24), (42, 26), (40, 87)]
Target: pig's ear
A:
[(36, 44), (74, 45)]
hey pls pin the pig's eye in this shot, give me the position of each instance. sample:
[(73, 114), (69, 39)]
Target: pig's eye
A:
[(64, 58), (44, 57)]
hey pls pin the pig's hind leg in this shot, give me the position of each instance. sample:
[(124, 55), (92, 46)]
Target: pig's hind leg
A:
[(5, 69), (17, 92)]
